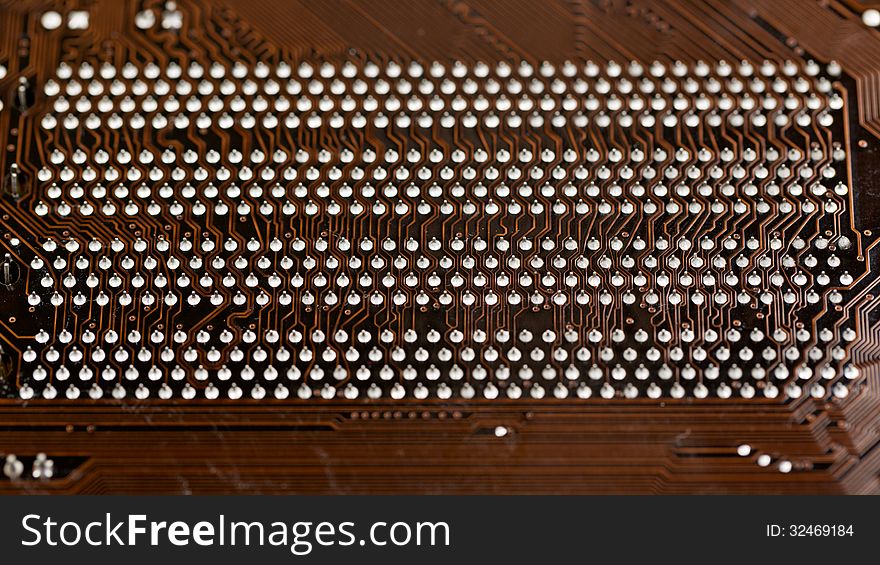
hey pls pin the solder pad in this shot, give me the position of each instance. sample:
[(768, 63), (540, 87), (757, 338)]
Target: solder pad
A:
[(440, 247)]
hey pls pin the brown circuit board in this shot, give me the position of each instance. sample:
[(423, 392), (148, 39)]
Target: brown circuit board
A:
[(445, 246)]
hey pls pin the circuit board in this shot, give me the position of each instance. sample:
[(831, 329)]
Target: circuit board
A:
[(448, 246)]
